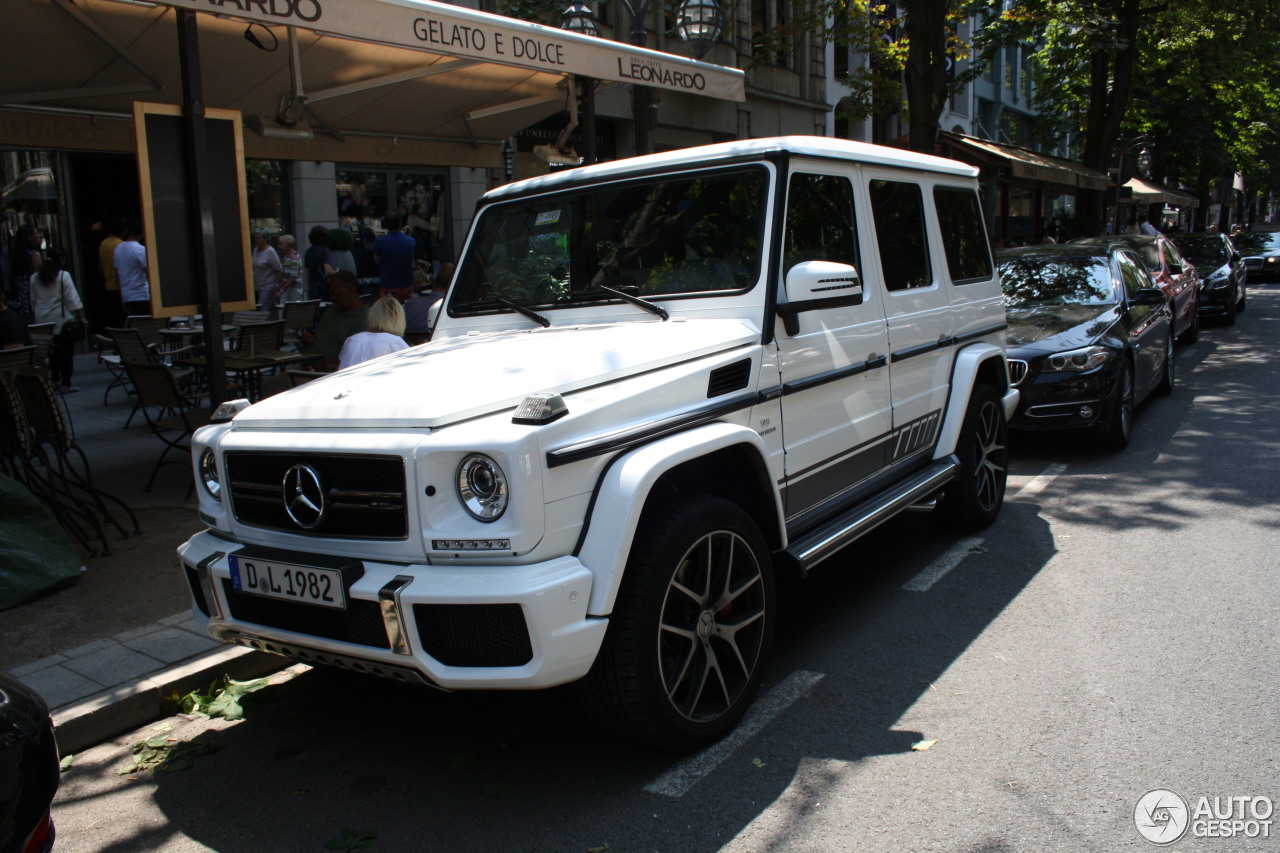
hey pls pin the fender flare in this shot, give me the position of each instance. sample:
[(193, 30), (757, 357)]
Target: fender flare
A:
[(964, 374), (624, 490)]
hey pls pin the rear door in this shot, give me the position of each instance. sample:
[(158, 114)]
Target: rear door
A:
[(835, 403), (917, 306)]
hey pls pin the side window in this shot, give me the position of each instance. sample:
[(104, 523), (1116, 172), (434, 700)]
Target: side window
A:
[(820, 222), (963, 237), (898, 210)]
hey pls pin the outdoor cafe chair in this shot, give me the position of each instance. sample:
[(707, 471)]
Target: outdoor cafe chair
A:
[(64, 462), (132, 348), (19, 460), (18, 357), (170, 412), (260, 339), (299, 317)]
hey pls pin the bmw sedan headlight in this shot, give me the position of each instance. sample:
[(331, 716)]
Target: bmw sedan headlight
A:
[(209, 474), (1078, 360), (482, 487)]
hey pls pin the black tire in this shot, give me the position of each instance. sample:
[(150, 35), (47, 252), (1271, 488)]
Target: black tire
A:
[(1229, 319), (973, 499), (1169, 379), (691, 629), (1119, 429), (1192, 332), (1241, 301)]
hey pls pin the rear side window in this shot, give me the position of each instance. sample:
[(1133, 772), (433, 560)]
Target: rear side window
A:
[(963, 237), (820, 221), (898, 210)]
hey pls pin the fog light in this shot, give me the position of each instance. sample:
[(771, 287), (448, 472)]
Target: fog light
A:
[(1086, 412), (471, 544)]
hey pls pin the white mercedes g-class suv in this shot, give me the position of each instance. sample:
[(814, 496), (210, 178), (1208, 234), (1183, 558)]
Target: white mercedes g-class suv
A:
[(656, 384)]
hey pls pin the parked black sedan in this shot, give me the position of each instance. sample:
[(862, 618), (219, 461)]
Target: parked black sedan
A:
[(1089, 337), (1173, 274), (28, 769), (1222, 274), (1261, 251)]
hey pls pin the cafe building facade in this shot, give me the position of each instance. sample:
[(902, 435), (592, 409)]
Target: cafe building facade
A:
[(350, 109)]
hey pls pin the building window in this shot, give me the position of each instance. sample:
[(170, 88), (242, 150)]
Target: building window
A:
[(266, 183), (768, 18), (365, 196)]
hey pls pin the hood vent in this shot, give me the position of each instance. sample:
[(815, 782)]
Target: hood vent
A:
[(731, 377)]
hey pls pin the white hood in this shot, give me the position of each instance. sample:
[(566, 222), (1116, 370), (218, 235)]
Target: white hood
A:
[(458, 378)]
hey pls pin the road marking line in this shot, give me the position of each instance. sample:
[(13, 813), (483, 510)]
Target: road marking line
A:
[(938, 569), (677, 781), (1040, 483)]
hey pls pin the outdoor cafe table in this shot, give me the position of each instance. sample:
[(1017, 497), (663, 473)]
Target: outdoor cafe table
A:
[(176, 337), (249, 369)]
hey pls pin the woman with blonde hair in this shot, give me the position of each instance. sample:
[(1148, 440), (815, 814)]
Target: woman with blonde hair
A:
[(385, 335)]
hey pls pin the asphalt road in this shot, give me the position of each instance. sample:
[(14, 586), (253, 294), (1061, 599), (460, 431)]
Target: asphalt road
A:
[(1113, 633)]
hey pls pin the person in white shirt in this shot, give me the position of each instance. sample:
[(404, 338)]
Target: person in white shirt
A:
[(131, 266), (55, 300), (385, 335)]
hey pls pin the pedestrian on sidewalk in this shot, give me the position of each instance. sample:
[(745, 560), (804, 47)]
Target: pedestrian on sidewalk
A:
[(131, 265), (266, 270), (54, 299)]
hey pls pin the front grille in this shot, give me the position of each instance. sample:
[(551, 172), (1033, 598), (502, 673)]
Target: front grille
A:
[(361, 623), (474, 634), (1017, 371), (364, 495)]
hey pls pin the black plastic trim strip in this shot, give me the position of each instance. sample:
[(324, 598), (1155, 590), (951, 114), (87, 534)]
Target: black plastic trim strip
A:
[(912, 352), (789, 311), (832, 376), (626, 439), (981, 333)]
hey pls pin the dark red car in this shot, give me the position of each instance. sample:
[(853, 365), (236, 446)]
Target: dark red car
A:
[(28, 769), (1174, 274)]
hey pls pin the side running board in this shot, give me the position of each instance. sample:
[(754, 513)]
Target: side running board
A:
[(825, 540)]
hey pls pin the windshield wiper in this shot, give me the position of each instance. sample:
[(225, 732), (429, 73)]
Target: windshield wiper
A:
[(651, 307), (507, 303)]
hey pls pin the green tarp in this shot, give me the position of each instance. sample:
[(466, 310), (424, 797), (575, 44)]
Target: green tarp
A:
[(35, 554)]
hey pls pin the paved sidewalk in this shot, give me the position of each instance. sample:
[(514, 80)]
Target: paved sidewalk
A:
[(108, 684)]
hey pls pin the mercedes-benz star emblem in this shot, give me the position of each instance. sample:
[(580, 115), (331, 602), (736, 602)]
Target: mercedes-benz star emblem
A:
[(303, 496)]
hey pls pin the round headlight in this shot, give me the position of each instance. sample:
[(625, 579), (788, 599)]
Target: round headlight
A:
[(482, 487), (209, 474)]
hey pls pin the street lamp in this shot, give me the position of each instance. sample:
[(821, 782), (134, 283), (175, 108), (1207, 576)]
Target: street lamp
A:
[(699, 22)]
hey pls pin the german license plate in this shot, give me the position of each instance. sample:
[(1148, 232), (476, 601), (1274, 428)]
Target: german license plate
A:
[(307, 584)]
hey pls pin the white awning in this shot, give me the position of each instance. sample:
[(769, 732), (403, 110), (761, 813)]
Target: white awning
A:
[(369, 78)]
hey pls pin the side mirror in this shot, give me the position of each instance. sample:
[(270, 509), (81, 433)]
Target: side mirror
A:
[(811, 280), (1149, 296), (817, 285)]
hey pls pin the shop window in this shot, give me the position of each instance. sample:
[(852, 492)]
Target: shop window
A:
[(266, 182), (365, 196), (960, 221), (768, 24), (898, 210)]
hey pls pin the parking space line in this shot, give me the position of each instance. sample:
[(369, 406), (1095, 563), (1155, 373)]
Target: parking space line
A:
[(677, 781), (1039, 483), (938, 569)]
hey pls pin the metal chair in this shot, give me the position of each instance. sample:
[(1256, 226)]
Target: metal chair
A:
[(299, 317), (132, 348), (260, 339), (18, 357), (170, 413), (53, 443)]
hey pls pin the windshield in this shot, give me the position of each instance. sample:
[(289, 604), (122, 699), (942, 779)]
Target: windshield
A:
[(1030, 282), (1204, 251), (1255, 241), (683, 235)]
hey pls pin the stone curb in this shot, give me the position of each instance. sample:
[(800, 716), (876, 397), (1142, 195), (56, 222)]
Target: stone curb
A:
[(90, 721)]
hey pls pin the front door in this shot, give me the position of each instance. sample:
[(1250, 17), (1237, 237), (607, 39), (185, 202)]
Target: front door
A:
[(835, 405)]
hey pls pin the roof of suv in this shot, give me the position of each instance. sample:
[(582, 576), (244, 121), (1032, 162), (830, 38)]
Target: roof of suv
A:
[(705, 155)]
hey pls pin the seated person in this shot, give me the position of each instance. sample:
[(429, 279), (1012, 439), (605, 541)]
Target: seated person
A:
[(417, 311), (386, 326), (346, 316)]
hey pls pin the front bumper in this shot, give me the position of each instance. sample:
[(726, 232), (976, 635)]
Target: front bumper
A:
[(1061, 401), (471, 627), (1217, 301)]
